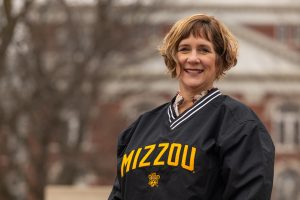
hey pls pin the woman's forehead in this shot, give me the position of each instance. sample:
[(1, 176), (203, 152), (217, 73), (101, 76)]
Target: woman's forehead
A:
[(195, 39), (198, 31)]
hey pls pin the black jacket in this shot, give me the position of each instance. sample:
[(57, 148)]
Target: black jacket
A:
[(216, 150)]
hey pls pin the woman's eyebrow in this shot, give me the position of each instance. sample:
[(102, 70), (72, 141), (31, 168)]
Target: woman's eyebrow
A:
[(184, 44), (204, 45)]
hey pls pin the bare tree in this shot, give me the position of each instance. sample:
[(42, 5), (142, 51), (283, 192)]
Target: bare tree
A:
[(52, 59)]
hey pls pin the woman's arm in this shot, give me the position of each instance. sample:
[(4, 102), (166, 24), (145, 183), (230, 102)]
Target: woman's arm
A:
[(116, 192), (123, 140), (247, 154)]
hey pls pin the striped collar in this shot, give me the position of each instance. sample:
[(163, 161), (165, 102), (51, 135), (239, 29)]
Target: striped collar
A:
[(175, 121), (179, 100)]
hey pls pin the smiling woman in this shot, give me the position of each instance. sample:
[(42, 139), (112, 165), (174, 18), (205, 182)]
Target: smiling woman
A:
[(202, 144), (196, 67)]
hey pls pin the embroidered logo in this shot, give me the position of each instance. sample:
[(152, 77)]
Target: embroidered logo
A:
[(153, 179)]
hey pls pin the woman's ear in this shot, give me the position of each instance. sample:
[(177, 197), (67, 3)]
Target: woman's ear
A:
[(177, 70)]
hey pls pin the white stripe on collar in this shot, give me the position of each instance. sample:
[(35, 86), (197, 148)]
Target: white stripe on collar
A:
[(203, 102), (171, 115)]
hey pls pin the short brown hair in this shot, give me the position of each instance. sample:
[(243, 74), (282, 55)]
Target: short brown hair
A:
[(207, 27)]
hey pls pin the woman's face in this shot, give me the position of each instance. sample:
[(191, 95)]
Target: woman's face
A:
[(196, 68)]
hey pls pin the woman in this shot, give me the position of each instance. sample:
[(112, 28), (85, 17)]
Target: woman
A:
[(202, 144)]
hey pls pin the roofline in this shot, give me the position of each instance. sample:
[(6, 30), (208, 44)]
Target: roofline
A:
[(267, 43)]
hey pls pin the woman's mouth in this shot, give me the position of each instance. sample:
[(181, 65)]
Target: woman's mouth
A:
[(193, 71)]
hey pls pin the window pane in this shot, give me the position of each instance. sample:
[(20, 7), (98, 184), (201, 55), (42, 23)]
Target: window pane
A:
[(289, 108), (281, 33), (281, 132), (297, 133), (297, 36)]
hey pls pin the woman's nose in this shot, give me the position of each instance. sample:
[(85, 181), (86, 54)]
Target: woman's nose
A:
[(193, 58)]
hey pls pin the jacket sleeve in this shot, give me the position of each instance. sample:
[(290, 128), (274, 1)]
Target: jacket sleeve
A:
[(116, 192), (247, 155), (123, 140)]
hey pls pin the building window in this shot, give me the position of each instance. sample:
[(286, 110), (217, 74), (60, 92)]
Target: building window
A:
[(286, 126), (287, 185), (281, 33), (297, 36), (289, 35)]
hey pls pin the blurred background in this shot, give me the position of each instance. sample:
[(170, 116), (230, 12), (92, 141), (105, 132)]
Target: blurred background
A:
[(74, 74)]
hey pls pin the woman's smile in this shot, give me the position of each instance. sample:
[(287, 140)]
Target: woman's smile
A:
[(193, 71)]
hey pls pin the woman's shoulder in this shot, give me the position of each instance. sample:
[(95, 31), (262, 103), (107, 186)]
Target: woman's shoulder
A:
[(238, 110), (233, 103), (145, 117), (240, 120)]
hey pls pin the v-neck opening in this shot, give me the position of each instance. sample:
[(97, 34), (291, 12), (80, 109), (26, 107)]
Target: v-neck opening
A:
[(175, 120)]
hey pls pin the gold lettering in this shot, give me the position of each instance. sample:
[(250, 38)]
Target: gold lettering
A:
[(161, 153), (136, 158), (189, 167), (175, 162), (126, 161), (150, 149), (131, 161)]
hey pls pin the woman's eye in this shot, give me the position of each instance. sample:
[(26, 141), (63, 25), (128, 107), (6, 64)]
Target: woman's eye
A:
[(183, 49), (204, 50)]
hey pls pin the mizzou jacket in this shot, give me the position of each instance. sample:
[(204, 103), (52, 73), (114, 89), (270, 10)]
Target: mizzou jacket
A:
[(216, 150)]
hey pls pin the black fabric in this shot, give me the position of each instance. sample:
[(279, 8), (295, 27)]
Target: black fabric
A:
[(232, 152)]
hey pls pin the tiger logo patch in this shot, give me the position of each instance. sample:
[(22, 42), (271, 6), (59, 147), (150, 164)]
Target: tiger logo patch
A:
[(153, 179)]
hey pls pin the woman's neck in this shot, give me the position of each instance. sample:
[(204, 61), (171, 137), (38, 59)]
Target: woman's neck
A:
[(189, 98), (189, 95)]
